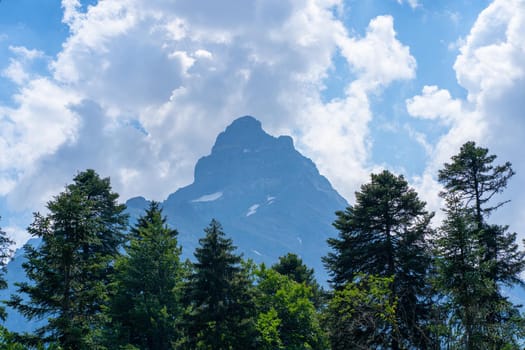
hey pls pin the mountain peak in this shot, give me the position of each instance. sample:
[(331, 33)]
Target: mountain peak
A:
[(245, 122), (244, 132), (238, 147)]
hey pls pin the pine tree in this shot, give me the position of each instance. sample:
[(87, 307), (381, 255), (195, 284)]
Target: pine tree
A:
[(458, 256), (384, 234), (475, 180), (69, 271), (221, 309), (5, 255), (489, 255), (146, 308)]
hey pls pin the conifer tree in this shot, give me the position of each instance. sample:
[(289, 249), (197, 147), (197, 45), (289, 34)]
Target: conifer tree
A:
[(221, 309), (69, 271), (384, 235), (146, 308), (488, 254)]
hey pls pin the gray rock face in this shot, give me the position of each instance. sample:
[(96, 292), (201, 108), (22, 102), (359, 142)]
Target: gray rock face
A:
[(269, 198)]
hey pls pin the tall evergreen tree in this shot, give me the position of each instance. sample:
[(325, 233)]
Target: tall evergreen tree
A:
[(383, 235), (458, 256), (489, 255), (69, 271), (473, 178), (5, 255), (221, 308), (146, 307)]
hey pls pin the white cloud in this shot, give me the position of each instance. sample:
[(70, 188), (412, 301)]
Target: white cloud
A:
[(17, 235), (16, 72), (413, 3), (336, 134), (26, 53), (140, 89), (491, 60), (39, 124), (19, 70), (491, 67), (379, 58), (435, 103)]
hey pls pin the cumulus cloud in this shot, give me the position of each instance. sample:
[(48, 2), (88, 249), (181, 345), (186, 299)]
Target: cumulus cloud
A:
[(491, 67), (379, 58), (435, 103), (337, 133), (140, 89), (18, 69), (39, 124)]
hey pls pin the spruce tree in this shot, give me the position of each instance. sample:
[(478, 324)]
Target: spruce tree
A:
[(69, 271), (219, 294), (489, 255), (146, 308), (384, 235)]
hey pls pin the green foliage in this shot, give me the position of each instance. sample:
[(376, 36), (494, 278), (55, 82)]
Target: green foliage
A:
[(219, 295), (292, 266), (384, 234), (268, 324), (287, 318), (146, 307), (474, 180), (70, 270), (8, 341), (362, 315), (474, 258)]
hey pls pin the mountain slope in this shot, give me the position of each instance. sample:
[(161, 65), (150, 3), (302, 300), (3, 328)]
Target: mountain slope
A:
[(269, 198)]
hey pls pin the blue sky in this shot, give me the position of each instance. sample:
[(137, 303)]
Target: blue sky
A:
[(138, 90)]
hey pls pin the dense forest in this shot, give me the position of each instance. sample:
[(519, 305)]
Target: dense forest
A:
[(396, 281)]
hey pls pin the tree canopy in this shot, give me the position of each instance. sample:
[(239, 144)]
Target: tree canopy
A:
[(70, 270)]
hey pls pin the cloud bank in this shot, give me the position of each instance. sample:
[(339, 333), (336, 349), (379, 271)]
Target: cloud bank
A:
[(490, 66), (140, 89)]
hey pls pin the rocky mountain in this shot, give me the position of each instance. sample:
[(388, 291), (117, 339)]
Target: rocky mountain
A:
[(269, 198)]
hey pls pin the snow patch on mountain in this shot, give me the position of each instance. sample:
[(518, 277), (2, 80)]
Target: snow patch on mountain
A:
[(252, 210), (208, 197)]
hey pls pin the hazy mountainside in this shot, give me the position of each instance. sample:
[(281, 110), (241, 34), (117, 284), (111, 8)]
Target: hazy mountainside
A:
[(270, 199)]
